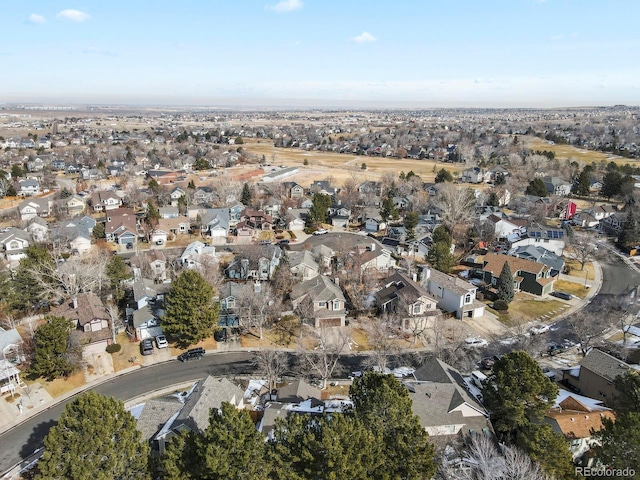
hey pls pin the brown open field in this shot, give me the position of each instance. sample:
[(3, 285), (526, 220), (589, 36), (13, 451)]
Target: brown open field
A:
[(343, 166), (564, 152)]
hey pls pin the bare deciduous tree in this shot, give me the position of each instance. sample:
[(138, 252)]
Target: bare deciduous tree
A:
[(582, 249), (587, 326), (455, 204), (271, 364), (483, 461), (323, 358)]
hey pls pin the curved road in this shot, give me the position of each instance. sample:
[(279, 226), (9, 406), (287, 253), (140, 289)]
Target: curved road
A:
[(22, 440)]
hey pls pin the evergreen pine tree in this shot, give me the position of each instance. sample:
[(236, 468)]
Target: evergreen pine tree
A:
[(95, 438), (247, 194), (190, 312), (52, 357), (505, 284)]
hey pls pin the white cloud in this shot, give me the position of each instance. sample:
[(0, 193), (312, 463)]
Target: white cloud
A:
[(35, 18), (73, 15), (364, 37), (285, 6)]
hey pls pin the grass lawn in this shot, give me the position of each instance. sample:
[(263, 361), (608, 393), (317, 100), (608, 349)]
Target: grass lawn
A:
[(524, 308), (576, 272), (129, 350), (360, 337), (567, 151), (60, 386), (573, 288)]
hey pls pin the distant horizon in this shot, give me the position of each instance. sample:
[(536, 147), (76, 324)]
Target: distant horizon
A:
[(171, 101)]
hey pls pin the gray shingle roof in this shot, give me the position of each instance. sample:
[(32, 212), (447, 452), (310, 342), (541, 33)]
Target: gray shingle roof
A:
[(155, 413), (604, 364)]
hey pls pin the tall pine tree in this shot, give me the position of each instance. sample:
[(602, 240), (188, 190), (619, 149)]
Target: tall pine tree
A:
[(191, 312), (95, 438), (505, 284)]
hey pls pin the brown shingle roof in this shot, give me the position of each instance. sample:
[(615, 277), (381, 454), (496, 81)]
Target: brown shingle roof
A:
[(495, 261)]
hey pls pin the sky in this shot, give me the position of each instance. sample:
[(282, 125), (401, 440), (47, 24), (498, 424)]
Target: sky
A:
[(377, 53)]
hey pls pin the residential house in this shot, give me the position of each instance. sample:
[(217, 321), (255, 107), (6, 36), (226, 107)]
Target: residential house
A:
[(35, 207), (73, 205), (296, 218), (74, 234), (272, 207), (105, 200), (255, 219), (326, 299), (294, 190), (528, 276), (89, 318), (453, 294), (12, 355), (14, 242), (372, 258), (447, 411), (324, 187), (174, 226), (401, 295), (502, 227), (612, 225), (121, 227), (339, 216), (169, 212), (324, 255), (235, 213), (176, 194), (162, 419), (370, 187), (373, 221), (197, 255), (230, 295), (255, 262), (302, 265), (154, 260), (577, 418), (472, 175), (540, 254), (165, 177), (203, 195), (595, 375), (38, 228), (28, 188), (553, 239), (296, 398), (557, 186), (215, 222), (494, 172)]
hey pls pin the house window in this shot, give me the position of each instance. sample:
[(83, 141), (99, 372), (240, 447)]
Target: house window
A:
[(336, 304), (467, 298), (322, 304), (417, 308), (14, 245)]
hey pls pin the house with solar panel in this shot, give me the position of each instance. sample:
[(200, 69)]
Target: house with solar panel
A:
[(552, 239)]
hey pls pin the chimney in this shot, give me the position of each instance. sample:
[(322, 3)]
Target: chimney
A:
[(74, 299), (426, 272), (373, 247), (336, 280)]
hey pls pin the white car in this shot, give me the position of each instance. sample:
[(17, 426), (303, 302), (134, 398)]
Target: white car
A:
[(539, 329), (473, 342), (161, 341), (321, 231)]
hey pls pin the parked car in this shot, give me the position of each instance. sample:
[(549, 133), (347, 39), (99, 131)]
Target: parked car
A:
[(473, 342), (488, 362), (146, 347), (321, 231), (220, 335), (562, 295), (192, 354), (161, 341), (539, 329), (264, 242), (283, 242)]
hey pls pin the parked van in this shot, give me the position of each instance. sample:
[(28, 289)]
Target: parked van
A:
[(477, 377)]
